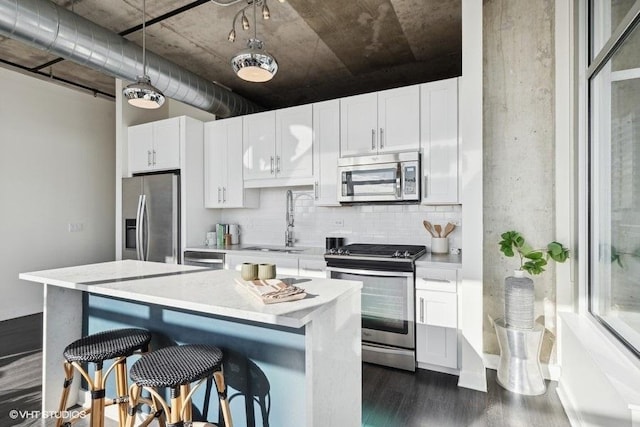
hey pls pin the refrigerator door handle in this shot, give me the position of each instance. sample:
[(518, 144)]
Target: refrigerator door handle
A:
[(144, 230), (139, 229)]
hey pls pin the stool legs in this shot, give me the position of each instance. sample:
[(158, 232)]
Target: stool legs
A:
[(68, 379), (180, 409), (97, 389), (222, 396)]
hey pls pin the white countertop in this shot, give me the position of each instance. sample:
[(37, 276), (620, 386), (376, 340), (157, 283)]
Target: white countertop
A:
[(297, 251), (427, 260), (194, 288)]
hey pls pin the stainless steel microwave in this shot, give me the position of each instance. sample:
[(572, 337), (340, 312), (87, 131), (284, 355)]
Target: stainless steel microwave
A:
[(392, 177)]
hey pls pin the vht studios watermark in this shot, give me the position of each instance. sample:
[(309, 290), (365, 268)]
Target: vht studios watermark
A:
[(15, 414)]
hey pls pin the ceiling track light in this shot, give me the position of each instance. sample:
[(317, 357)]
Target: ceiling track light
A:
[(142, 93), (254, 64)]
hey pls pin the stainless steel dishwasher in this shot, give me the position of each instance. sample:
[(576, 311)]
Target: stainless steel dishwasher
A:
[(214, 260)]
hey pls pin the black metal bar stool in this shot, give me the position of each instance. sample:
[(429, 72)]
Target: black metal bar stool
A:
[(117, 344), (176, 368)]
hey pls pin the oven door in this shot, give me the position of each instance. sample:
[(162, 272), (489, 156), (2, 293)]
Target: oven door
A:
[(387, 305)]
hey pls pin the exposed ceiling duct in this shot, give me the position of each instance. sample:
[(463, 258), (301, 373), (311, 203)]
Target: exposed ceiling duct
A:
[(46, 26)]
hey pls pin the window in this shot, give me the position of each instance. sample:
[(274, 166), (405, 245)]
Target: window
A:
[(614, 170)]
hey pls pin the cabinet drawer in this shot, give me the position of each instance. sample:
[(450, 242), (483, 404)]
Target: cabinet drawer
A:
[(312, 268), (436, 279), (437, 308)]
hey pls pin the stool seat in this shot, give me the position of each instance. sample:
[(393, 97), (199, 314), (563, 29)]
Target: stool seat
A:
[(107, 345), (176, 366)]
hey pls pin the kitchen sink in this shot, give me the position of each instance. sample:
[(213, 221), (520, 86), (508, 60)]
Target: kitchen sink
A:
[(273, 249)]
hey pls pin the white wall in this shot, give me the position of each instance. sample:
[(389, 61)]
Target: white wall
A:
[(400, 224), (57, 167)]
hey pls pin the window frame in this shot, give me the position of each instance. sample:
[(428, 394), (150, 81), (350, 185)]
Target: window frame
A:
[(595, 64)]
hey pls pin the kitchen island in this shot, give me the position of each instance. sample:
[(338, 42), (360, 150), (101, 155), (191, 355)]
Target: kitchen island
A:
[(289, 364)]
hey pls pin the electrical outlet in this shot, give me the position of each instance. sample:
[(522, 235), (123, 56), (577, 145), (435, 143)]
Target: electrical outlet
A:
[(339, 222), (75, 227), (455, 222)]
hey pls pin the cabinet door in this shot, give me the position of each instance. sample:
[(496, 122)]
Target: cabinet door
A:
[(166, 144), (294, 142), (437, 346), (358, 125), (437, 308), (215, 161), (399, 119), (140, 147), (259, 142), (326, 149), (233, 191), (439, 128)]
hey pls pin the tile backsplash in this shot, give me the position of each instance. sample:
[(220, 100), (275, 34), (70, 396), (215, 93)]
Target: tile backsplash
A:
[(395, 224)]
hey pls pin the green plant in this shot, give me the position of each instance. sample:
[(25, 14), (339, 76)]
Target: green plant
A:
[(532, 260)]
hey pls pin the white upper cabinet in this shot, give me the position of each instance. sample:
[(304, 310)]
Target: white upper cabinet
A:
[(380, 122), (358, 124), (439, 129), (326, 149), (294, 142), (259, 142), (223, 166), (278, 147), (154, 146)]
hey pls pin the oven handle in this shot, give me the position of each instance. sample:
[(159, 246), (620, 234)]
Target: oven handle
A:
[(371, 272)]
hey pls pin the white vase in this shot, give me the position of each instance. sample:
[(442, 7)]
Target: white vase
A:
[(519, 301)]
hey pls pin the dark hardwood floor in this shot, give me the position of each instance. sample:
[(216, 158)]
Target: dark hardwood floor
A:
[(390, 398)]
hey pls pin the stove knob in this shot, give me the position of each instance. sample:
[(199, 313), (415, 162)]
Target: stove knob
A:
[(346, 252), (406, 254), (397, 254), (332, 251), (341, 251)]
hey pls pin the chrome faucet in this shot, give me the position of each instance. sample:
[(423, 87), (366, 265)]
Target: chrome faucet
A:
[(288, 235)]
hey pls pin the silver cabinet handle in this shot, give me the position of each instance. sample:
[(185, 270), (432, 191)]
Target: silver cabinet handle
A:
[(373, 139), (148, 157), (424, 187), (398, 181), (272, 171), (224, 194), (315, 190), (154, 157), (421, 310), (219, 189), (381, 138), (278, 164)]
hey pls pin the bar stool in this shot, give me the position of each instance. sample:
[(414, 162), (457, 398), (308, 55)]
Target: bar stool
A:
[(117, 344), (176, 368)]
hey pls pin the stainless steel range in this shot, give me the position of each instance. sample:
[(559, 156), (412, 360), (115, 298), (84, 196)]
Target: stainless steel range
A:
[(388, 318)]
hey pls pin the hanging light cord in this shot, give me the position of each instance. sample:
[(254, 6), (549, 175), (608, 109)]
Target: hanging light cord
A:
[(144, 44), (255, 25)]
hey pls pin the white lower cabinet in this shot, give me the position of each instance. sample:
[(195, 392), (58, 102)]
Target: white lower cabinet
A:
[(284, 265), (312, 267), (436, 318)]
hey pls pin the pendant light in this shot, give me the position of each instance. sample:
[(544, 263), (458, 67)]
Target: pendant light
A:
[(254, 64), (142, 94)]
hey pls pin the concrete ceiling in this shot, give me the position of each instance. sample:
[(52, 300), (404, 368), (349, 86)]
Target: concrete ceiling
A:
[(325, 48)]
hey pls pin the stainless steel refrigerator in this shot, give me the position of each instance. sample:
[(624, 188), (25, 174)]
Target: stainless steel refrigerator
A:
[(151, 218)]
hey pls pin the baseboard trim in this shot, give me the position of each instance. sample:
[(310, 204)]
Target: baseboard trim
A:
[(567, 404), (436, 368), (551, 372)]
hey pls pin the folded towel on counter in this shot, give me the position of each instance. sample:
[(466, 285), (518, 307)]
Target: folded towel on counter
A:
[(272, 290)]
